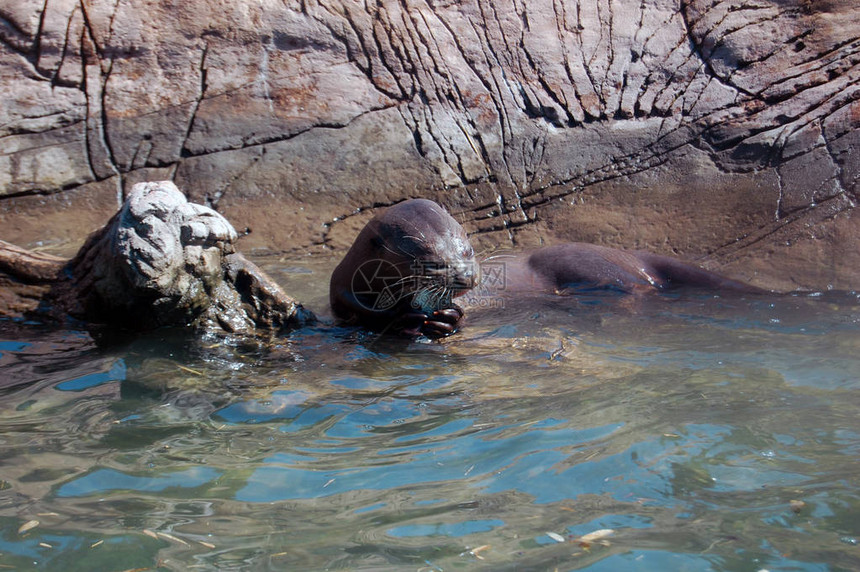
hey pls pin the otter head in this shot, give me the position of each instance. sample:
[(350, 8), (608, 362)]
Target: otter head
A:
[(414, 254)]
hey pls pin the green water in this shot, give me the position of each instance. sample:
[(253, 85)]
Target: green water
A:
[(706, 433)]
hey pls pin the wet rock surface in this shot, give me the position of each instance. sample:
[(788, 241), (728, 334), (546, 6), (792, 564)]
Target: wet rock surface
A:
[(160, 261), (723, 131)]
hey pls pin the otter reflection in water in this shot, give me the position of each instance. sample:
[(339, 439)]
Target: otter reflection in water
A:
[(407, 265)]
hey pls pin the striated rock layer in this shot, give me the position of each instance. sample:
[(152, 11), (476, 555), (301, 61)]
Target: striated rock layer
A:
[(724, 131)]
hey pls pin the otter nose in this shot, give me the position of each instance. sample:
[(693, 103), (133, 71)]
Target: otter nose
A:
[(465, 275)]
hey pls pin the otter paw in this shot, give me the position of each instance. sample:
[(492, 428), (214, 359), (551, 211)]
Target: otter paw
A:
[(410, 324), (442, 322)]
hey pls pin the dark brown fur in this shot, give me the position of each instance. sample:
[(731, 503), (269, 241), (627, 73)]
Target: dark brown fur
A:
[(576, 264), (420, 242)]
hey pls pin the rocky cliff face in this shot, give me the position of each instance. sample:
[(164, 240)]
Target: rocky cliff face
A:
[(720, 130)]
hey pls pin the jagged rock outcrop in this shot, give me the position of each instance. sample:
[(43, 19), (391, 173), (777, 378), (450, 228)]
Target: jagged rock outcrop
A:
[(160, 261), (723, 130)]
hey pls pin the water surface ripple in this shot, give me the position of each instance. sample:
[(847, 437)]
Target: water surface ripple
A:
[(706, 433)]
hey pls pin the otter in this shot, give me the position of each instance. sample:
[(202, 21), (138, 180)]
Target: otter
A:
[(407, 265), (576, 265), (404, 270)]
